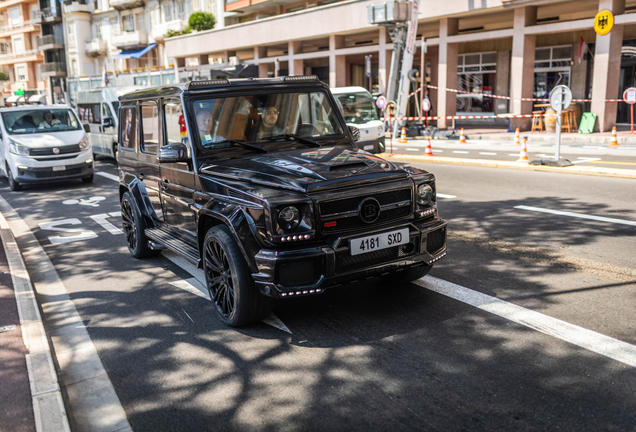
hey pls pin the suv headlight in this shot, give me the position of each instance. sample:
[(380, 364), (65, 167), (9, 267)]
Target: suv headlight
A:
[(84, 144), (18, 149), (289, 218), (424, 193)]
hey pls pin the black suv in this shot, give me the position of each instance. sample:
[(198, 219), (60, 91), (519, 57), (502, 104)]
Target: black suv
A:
[(259, 183)]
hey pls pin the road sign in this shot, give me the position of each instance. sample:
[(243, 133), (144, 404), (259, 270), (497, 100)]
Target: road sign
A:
[(603, 22), (560, 97), (381, 102), (630, 95), (367, 65), (426, 104)]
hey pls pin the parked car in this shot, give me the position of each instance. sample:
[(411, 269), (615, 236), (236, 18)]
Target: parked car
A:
[(267, 192), (42, 144), (97, 108), (359, 110)]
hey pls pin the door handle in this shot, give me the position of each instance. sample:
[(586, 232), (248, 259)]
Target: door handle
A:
[(141, 176), (165, 184)]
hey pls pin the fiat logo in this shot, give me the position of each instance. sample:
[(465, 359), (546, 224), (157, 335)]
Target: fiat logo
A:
[(56, 150), (369, 210)]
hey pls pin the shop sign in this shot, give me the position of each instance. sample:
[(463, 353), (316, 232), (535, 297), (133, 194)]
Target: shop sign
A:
[(603, 22)]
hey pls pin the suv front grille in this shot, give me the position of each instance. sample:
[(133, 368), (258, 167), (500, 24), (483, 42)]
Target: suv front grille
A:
[(435, 240), (352, 204), (300, 272), (48, 151)]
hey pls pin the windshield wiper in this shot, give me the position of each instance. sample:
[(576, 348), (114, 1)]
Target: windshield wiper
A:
[(292, 137), (243, 144)]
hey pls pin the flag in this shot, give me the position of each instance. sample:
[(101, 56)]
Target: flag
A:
[(582, 49), (105, 80)]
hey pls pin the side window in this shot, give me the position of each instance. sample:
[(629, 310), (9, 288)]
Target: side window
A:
[(128, 125), (175, 122), (89, 113), (106, 111), (149, 127)]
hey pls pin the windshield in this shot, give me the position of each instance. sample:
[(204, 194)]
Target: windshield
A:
[(357, 107), (260, 119), (40, 121)]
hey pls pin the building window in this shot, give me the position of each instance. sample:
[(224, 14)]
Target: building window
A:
[(75, 67), (18, 45), (141, 18), (128, 23), (98, 30), (3, 48), (114, 27), (71, 35), (181, 9), (15, 17), (551, 68), (476, 73), (167, 12), (21, 73)]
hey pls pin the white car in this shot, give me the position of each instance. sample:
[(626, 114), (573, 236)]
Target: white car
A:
[(359, 110), (40, 144)]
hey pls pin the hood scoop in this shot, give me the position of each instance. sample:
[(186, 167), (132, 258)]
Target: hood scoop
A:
[(347, 166)]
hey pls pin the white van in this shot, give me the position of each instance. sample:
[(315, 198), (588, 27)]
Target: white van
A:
[(97, 108), (43, 143), (359, 110)]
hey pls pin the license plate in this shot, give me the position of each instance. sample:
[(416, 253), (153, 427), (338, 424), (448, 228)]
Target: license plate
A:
[(379, 241), (59, 168), (368, 147)]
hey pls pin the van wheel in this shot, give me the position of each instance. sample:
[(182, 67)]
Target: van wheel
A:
[(229, 281), (13, 185), (134, 229), (115, 148), (88, 179)]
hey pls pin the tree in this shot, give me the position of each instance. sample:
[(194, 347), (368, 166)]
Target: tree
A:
[(4, 77), (200, 21)]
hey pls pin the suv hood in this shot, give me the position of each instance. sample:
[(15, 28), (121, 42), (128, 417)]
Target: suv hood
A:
[(308, 169), (44, 140)]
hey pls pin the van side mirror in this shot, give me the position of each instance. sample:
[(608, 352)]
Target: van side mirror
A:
[(355, 132), (87, 127), (108, 122), (173, 152)]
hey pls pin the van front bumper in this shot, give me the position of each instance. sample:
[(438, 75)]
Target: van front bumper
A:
[(26, 174)]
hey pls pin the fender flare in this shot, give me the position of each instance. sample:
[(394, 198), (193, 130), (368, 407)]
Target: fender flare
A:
[(137, 190)]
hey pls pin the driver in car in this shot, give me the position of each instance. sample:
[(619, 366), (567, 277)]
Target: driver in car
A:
[(49, 121)]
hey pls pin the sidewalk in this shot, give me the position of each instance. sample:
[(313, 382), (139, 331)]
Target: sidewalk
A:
[(494, 134), (30, 397)]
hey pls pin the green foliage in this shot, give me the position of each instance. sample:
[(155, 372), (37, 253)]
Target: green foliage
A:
[(173, 33), (200, 21), (4, 77)]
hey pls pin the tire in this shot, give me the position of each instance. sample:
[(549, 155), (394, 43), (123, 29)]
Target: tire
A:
[(228, 279), (13, 185), (409, 275), (88, 179), (134, 227)]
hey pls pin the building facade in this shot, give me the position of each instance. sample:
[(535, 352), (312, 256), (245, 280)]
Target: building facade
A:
[(515, 48)]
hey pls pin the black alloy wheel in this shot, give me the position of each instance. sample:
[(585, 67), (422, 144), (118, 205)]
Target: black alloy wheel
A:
[(229, 280), (134, 227)]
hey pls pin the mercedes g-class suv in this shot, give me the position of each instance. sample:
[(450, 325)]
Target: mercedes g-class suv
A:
[(259, 183)]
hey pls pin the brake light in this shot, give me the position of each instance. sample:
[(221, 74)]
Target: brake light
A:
[(330, 224)]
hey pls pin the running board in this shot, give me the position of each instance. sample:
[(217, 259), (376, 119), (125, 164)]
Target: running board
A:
[(170, 241)]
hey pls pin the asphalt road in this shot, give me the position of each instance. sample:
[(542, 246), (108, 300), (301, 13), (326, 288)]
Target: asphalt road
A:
[(373, 356)]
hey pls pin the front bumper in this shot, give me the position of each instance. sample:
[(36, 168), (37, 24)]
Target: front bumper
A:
[(311, 270)]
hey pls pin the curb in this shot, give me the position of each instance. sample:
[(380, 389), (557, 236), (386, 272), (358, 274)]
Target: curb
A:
[(592, 170), (48, 405), (549, 138)]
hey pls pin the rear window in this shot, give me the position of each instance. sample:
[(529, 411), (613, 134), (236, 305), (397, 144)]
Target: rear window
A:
[(40, 121)]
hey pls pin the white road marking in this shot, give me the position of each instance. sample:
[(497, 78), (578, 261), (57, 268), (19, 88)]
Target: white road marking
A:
[(101, 219), (274, 321), (439, 195), (413, 149), (587, 339), (583, 159), (92, 201), (192, 286), (460, 151), (578, 215), (593, 147), (78, 233), (107, 175), (513, 154), (488, 153)]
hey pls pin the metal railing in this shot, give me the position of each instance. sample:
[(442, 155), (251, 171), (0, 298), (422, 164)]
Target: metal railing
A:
[(20, 54), (52, 67), (35, 21), (51, 40)]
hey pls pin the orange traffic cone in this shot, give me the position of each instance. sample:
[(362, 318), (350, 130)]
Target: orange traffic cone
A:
[(403, 136), (429, 148), (462, 137), (517, 142), (613, 141), (523, 155)]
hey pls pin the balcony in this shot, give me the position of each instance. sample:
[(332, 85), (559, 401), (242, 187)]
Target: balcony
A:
[(130, 40), (75, 6), (53, 69), (96, 47), (126, 4), (159, 30), (51, 15), (50, 42), (22, 57), (20, 27)]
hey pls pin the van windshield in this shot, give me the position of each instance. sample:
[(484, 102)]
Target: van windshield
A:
[(261, 119), (357, 107), (40, 121)]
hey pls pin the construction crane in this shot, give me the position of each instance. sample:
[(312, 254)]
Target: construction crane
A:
[(400, 20)]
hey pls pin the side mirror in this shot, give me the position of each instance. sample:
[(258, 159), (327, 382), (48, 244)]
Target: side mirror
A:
[(174, 152), (87, 127), (108, 122), (355, 132)]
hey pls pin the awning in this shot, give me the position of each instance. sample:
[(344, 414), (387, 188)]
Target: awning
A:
[(14, 99), (37, 98), (135, 53)]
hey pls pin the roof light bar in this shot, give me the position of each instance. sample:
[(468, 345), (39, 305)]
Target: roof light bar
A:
[(194, 84), (302, 78)]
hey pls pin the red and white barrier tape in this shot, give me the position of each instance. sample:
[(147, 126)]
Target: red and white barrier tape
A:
[(467, 117)]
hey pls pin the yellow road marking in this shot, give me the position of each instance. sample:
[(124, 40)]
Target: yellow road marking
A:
[(613, 163)]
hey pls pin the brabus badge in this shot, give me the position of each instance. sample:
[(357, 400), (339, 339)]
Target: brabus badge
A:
[(56, 150)]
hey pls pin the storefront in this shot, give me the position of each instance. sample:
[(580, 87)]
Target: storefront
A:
[(476, 73), (552, 67)]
